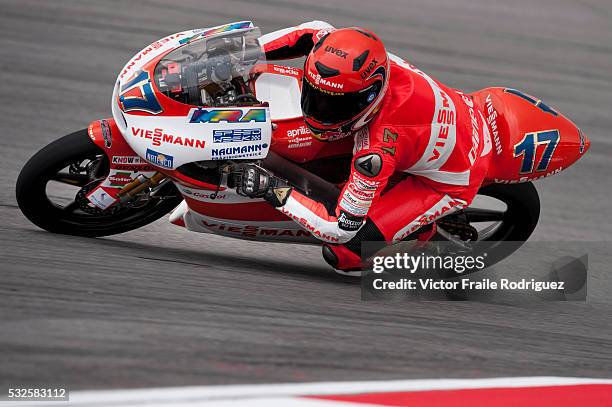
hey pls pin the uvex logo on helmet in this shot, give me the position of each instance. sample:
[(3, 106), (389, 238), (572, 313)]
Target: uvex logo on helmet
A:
[(366, 72), (345, 81), (338, 52)]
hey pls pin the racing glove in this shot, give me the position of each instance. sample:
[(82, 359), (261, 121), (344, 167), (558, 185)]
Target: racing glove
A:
[(256, 182)]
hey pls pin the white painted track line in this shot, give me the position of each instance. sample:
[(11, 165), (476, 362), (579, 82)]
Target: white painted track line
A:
[(283, 394)]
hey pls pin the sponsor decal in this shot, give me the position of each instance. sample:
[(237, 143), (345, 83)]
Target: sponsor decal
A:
[(300, 142), (127, 160), (236, 135), (369, 165), (238, 151), (350, 207), (330, 136), (218, 30), (227, 27), (135, 168), (254, 231), (300, 131), (361, 194), (443, 134), (526, 178), (213, 196), (430, 217), (492, 121), (309, 227), (152, 47), (137, 95), (445, 120), (362, 140), (318, 80), (440, 209), (158, 137), (475, 132), (106, 133), (358, 196), (364, 184), (120, 179), (349, 222), (300, 137), (336, 51), (159, 159), (284, 70), (227, 115), (353, 205), (100, 198), (188, 39), (368, 69)]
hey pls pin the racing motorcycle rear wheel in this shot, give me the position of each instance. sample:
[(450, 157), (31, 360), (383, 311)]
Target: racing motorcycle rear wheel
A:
[(51, 191), (500, 223)]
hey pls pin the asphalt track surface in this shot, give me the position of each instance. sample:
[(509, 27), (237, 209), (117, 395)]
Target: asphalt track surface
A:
[(160, 306)]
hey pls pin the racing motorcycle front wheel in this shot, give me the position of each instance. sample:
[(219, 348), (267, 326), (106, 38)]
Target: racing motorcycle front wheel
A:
[(52, 187)]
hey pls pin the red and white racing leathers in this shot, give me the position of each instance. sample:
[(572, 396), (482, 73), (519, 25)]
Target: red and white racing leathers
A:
[(431, 133)]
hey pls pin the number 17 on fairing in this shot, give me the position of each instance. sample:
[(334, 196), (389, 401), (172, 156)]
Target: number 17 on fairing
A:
[(527, 148)]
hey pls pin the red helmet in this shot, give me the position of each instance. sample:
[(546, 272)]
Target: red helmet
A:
[(345, 80)]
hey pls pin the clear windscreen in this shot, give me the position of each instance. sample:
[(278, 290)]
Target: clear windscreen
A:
[(213, 71)]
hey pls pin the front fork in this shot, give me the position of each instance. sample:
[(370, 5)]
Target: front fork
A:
[(139, 185), (129, 175)]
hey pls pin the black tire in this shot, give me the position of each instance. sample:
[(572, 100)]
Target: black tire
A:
[(31, 191), (523, 213), (517, 222)]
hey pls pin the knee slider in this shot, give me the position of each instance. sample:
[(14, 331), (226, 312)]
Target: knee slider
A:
[(329, 256)]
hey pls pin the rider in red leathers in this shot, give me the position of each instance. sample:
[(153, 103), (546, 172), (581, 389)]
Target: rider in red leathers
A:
[(403, 122)]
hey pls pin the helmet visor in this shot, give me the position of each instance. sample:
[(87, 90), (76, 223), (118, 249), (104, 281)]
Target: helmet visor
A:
[(331, 108)]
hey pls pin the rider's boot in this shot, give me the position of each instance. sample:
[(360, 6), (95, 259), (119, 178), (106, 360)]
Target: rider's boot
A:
[(343, 260), (346, 259)]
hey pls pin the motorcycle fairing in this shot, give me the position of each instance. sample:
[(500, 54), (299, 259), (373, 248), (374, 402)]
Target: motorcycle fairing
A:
[(530, 140), (165, 127), (278, 231), (205, 134)]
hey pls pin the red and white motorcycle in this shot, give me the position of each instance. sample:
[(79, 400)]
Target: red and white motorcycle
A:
[(189, 108)]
